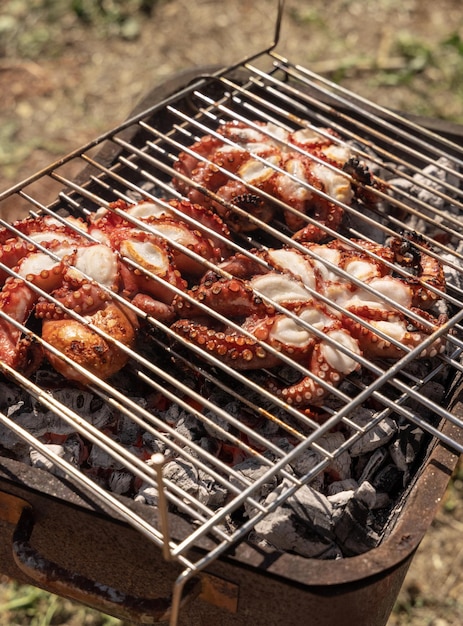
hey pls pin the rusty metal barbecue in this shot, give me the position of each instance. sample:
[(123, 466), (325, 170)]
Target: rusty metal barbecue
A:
[(421, 171)]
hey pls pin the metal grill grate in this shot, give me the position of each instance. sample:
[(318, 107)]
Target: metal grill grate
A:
[(137, 161)]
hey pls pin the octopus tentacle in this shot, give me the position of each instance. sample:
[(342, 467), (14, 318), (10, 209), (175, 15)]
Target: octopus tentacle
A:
[(232, 297), (398, 329), (263, 158), (154, 256), (88, 348), (326, 362), (84, 301), (234, 349)]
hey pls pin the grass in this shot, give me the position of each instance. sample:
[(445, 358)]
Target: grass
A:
[(25, 605)]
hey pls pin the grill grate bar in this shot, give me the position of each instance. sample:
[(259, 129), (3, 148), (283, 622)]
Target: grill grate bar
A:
[(238, 411), (421, 136)]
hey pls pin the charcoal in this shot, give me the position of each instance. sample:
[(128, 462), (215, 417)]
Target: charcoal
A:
[(339, 468), (190, 427), (172, 414), (366, 494), (99, 458), (339, 502), (352, 529), (388, 478), (84, 403), (375, 437), (41, 423), (383, 500), (195, 482), (302, 524), (252, 470), (424, 189), (75, 449), (372, 465), (405, 449), (153, 443), (305, 462), (147, 494), (12, 398), (39, 460), (235, 409), (342, 485)]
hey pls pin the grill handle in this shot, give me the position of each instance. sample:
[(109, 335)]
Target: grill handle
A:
[(60, 581)]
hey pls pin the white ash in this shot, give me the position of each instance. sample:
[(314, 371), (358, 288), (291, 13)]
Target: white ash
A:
[(80, 401), (39, 421), (375, 437), (147, 494), (339, 468), (194, 481), (427, 191), (191, 429), (172, 414), (302, 524), (252, 470), (367, 472), (69, 452), (129, 431), (339, 502), (120, 481), (102, 459), (453, 275), (153, 443), (338, 486), (366, 494)]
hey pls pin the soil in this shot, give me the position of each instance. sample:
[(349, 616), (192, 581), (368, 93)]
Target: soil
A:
[(70, 71)]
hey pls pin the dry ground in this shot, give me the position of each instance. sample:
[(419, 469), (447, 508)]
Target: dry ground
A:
[(71, 69)]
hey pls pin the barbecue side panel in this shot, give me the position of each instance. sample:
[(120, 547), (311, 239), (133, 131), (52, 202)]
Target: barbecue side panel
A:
[(231, 593)]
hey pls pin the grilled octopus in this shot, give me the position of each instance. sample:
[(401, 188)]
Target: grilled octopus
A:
[(323, 310), (252, 174), (66, 275)]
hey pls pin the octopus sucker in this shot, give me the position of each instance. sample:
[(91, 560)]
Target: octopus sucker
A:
[(116, 258)]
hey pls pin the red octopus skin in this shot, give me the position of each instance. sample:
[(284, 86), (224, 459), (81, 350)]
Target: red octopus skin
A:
[(212, 244), (274, 168)]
